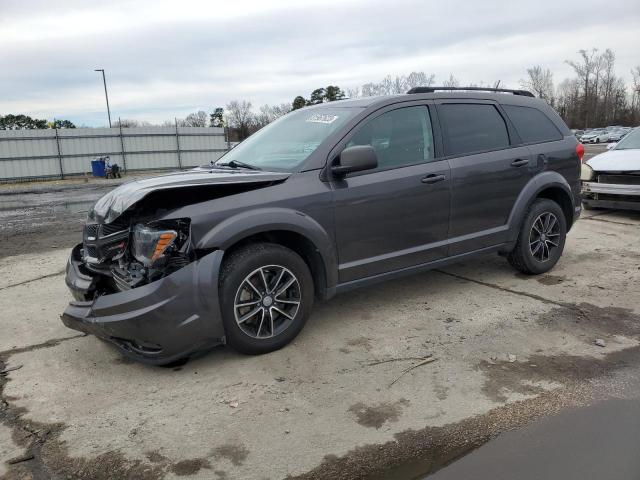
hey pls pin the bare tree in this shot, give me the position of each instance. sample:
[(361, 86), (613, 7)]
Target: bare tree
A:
[(540, 83), (354, 92), (240, 117), (451, 82), (608, 84), (635, 95), (269, 113), (568, 95), (196, 119), (396, 85), (585, 70), (131, 123)]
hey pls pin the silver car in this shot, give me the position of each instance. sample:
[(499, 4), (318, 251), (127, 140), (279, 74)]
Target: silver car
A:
[(616, 135)]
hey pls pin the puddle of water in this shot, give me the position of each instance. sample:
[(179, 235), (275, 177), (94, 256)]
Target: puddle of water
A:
[(599, 441)]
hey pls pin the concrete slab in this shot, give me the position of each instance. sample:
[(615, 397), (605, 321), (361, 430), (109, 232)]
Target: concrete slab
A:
[(31, 266), (500, 341), (236, 414), (600, 266), (29, 313)]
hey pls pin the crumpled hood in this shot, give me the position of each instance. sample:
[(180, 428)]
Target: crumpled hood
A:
[(114, 203), (616, 161)]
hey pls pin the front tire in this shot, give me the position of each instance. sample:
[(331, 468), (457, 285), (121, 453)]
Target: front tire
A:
[(266, 295), (541, 239)]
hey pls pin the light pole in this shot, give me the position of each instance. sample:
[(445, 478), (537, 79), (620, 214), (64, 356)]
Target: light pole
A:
[(106, 96)]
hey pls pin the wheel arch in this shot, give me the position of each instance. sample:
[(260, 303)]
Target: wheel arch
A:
[(290, 228), (549, 185)]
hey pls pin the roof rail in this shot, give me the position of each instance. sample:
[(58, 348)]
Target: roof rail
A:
[(524, 93)]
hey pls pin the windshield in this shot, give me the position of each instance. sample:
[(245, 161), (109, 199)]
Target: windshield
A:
[(631, 141), (284, 144)]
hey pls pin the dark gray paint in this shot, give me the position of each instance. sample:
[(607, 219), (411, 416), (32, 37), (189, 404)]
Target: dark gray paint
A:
[(366, 227)]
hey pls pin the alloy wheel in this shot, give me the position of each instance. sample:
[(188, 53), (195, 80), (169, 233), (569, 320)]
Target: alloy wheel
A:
[(267, 301), (544, 236)]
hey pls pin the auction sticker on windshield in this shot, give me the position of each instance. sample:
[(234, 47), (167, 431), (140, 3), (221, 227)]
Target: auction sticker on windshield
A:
[(322, 118)]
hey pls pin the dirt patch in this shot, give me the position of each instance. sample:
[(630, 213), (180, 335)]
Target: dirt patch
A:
[(378, 415), (156, 457), (107, 466), (40, 240), (521, 377), (123, 361), (592, 320), (441, 391), (235, 453), (551, 279), (190, 467), (361, 342), (525, 377), (591, 257)]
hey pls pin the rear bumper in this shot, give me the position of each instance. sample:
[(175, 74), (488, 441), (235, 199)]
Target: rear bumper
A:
[(156, 323)]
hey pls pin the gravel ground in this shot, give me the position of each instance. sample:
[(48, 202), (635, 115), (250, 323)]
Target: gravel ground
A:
[(43, 215), (508, 350)]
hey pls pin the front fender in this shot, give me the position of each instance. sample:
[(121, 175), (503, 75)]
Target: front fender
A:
[(537, 184), (243, 225)]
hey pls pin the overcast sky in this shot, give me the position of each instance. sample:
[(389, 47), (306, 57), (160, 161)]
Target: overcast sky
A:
[(166, 58)]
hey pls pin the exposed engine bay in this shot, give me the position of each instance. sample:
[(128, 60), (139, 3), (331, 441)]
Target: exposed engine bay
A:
[(128, 253)]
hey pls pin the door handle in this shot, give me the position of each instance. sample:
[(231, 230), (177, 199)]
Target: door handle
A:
[(519, 162), (433, 178)]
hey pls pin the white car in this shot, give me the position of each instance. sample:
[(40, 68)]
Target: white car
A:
[(612, 179), (595, 136)]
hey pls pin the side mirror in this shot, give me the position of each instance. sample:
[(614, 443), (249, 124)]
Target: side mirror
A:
[(355, 159), (611, 146)]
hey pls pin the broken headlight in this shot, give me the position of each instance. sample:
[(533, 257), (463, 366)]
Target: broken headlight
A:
[(153, 243)]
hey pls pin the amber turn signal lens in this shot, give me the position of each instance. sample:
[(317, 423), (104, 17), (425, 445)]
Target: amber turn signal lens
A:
[(163, 242)]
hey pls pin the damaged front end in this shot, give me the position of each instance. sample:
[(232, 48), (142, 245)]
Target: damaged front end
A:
[(126, 254), (140, 285), (137, 278)]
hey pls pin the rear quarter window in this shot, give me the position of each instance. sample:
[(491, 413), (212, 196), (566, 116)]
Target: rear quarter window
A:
[(532, 125), (473, 127)]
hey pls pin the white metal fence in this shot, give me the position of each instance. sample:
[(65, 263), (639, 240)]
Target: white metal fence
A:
[(57, 153)]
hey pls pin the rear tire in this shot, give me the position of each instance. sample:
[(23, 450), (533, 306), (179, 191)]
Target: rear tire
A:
[(541, 239), (266, 295)]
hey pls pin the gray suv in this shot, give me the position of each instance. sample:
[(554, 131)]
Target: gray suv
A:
[(323, 200)]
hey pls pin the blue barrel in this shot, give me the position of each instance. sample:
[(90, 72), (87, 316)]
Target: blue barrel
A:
[(97, 168)]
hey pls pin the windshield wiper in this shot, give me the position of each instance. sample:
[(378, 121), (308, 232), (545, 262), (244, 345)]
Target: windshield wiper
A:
[(237, 164)]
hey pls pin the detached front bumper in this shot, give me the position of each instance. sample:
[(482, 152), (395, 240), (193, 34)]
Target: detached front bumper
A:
[(611, 195), (156, 323)]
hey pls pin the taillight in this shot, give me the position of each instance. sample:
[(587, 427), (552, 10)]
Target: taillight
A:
[(580, 151)]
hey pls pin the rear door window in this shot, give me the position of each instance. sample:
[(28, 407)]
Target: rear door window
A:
[(473, 127), (532, 125)]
